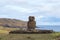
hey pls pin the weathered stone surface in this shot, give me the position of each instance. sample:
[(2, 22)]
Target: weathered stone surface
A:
[(31, 23)]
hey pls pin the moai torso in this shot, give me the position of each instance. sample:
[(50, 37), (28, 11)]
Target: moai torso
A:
[(31, 23)]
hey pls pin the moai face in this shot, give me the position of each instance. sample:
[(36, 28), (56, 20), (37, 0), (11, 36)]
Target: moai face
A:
[(31, 18)]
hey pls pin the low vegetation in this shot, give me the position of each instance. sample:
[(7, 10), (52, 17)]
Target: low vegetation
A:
[(26, 37), (6, 30), (56, 35)]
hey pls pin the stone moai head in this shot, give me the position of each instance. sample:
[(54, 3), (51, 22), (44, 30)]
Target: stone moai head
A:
[(31, 23), (31, 18)]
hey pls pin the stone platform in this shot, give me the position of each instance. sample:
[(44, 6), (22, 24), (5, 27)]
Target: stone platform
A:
[(31, 32)]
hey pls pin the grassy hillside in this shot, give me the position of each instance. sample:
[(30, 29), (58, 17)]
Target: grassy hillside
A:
[(6, 22)]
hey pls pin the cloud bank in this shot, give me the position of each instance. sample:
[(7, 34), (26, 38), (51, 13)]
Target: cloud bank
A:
[(47, 12)]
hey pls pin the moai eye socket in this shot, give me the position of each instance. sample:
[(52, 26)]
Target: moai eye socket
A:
[(33, 18)]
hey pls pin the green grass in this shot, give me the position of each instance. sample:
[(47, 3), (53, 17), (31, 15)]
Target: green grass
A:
[(6, 30), (26, 37), (56, 34)]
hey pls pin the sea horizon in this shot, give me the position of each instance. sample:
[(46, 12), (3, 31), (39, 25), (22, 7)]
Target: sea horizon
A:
[(55, 28)]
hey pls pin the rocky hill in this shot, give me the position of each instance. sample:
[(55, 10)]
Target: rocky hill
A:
[(6, 22)]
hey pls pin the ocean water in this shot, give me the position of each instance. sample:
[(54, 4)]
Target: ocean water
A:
[(49, 27)]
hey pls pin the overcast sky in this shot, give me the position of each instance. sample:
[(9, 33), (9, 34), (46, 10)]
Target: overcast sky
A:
[(47, 12)]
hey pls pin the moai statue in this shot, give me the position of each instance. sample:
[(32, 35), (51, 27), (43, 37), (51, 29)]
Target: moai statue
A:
[(31, 23)]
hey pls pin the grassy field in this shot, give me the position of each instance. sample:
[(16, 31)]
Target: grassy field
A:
[(26, 37), (4, 35), (6, 30)]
